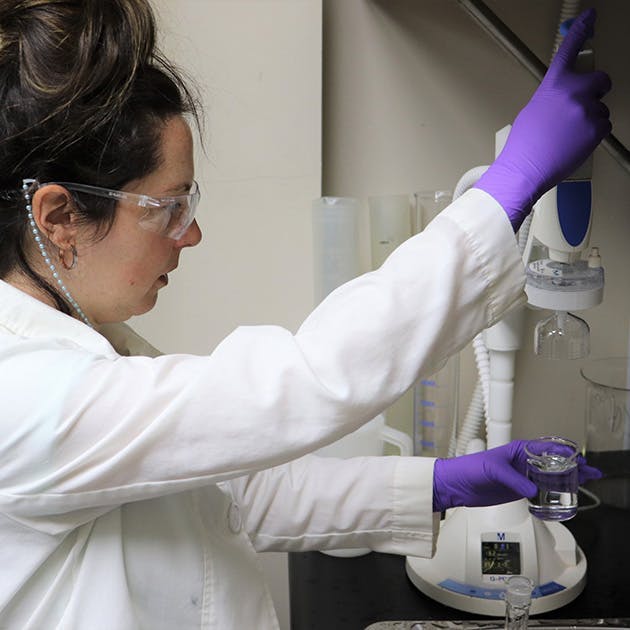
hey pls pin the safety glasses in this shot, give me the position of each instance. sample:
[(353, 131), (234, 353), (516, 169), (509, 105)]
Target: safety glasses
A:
[(169, 216)]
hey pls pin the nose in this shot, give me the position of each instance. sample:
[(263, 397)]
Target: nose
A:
[(191, 237)]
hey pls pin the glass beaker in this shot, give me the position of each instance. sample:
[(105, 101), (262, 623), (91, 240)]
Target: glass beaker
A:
[(428, 204), (518, 599), (552, 466), (435, 411), (390, 225), (608, 427), (336, 256), (436, 397)]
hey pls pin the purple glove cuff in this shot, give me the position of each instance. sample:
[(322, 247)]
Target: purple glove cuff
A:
[(514, 197)]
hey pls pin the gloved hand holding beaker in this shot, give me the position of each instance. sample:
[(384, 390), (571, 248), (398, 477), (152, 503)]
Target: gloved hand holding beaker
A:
[(489, 477), (554, 133)]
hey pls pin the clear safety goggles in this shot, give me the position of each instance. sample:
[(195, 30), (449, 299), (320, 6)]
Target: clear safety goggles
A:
[(169, 216)]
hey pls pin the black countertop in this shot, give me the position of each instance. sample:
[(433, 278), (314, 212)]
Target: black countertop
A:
[(329, 593)]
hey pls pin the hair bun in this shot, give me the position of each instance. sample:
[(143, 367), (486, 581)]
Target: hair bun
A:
[(73, 60), (71, 49)]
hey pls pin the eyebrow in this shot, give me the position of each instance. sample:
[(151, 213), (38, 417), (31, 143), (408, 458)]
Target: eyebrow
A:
[(182, 189)]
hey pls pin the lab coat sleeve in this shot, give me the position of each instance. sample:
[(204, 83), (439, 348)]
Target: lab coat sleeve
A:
[(91, 431), (320, 503)]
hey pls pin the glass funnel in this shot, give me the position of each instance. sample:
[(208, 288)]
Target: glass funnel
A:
[(562, 336)]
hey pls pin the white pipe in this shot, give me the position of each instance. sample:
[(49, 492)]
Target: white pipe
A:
[(568, 10), (478, 406), (468, 180), (472, 422), (502, 340)]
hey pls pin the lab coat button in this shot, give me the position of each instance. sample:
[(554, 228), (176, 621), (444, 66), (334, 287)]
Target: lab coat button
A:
[(234, 518)]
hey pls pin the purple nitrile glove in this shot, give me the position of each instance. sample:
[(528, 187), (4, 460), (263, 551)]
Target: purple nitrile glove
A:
[(554, 133), (489, 477)]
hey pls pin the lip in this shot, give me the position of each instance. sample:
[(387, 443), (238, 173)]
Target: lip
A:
[(164, 278)]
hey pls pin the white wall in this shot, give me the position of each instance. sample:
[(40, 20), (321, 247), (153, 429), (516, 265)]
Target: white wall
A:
[(258, 64), (414, 92)]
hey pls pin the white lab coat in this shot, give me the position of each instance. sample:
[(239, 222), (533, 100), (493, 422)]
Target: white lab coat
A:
[(135, 490)]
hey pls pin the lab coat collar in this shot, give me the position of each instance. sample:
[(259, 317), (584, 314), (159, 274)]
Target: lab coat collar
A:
[(25, 316)]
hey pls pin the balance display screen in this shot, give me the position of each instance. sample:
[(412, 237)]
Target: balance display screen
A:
[(501, 558)]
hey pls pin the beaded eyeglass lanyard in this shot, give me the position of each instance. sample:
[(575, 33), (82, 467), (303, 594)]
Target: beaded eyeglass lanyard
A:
[(27, 188)]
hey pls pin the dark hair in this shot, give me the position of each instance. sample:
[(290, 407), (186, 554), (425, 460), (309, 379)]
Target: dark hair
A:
[(84, 95)]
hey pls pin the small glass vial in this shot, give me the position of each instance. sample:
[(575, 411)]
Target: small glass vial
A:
[(518, 598)]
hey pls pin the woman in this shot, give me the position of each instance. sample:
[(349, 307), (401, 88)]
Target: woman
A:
[(134, 490)]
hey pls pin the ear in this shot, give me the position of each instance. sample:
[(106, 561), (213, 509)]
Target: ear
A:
[(53, 211)]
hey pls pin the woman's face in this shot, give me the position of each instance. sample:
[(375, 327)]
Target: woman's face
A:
[(120, 275)]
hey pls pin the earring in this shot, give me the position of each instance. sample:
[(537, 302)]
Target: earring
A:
[(62, 258), (29, 186)]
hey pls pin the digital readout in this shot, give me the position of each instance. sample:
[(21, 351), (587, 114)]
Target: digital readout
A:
[(501, 558)]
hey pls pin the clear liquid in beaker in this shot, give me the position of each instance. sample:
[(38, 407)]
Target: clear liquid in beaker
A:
[(556, 477)]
